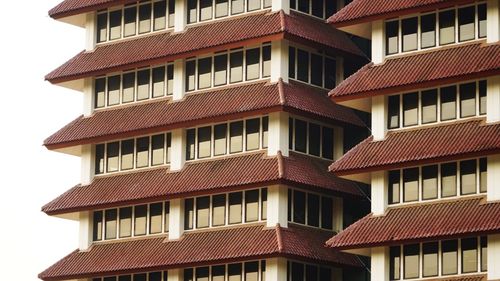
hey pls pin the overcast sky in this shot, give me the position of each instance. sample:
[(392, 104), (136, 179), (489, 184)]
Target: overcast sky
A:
[(31, 109)]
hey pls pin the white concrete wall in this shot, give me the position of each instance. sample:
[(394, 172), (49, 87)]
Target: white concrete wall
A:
[(277, 206), (90, 31), (380, 264), (493, 178), (87, 164), (276, 269), (493, 23), (380, 191), (88, 97), (493, 99), (379, 117), (281, 5), (180, 16), (176, 219), (278, 133), (85, 230), (378, 42), (279, 60), (494, 257), (179, 89), (178, 150)]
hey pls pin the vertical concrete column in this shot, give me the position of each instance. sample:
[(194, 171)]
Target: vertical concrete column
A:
[(281, 5), (279, 59), (379, 192), (87, 164), (180, 15), (493, 257), (88, 97), (493, 178), (179, 88), (380, 264), (277, 206), (379, 117), (90, 31), (176, 220), (175, 274), (276, 269), (178, 150), (338, 142), (493, 23), (85, 229), (338, 214), (493, 99), (378, 42), (278, 133)]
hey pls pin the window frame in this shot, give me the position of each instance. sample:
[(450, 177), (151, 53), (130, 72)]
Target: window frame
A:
[(291, 208), (292, 137), (295, 48)]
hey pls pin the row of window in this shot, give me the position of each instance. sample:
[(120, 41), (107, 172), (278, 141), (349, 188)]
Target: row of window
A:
[(297, 271), (311, 138), (310, 209), (139, 18), (422, 107), (203, 10), (150, 276), (221, 139), (225, 209), (421, 32), (228, 67), (248, 271), (133, 86), (319, 8), (438, 181), (133, 153), (131, 221), (313, 68), (438, 258)]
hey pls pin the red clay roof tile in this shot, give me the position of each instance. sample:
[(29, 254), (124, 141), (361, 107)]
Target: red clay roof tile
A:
[(74, 7), (218, 175), (195, 249), (231, 33), (428, 69), (445, 142), (476, 277), (243, 100), (359, 11), (421, 222)]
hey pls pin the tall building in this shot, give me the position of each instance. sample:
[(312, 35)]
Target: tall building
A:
[(433, 162), (205, 141)]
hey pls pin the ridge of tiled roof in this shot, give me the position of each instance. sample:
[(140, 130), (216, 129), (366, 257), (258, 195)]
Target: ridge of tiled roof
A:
[(422, 222), (430, 144), (204, 107), (361, 11), (199, 39), (219, 175), (198, 248), (431, 68)]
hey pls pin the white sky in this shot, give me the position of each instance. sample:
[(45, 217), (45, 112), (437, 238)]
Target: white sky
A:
[(31, 109)]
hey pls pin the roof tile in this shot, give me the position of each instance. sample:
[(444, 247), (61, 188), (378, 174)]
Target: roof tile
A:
[(74, 7)]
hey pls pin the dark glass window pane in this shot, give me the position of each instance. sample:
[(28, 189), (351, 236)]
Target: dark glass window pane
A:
[(220, 139), (326, 213), (448, 103), (482, 97), (236, 137), (409, 33), (219, 210), (304, 6), (205, 9), (252, 62), (125, 222), (466, 23), (297, 271), (140, 277), (410, 109), (218, 272), (127, 161), (290, 133), (447, 27), (202, 211), (468, 177), (395, 263), (484, 253), (429, 106), (293, 4), (192, 11), (266, 60), (428, 26), (154, 276), (99, 92), (430, 259), (314, 139), (299, 207), (159, 15), (291, 61), (327, 143), (171, 11), (469, 255), (190, 143), (220, 70), (237, 7), (236, 67), (393, 112), (265, 131), (264, 203), (140, 215), (467, 99), (394, 177), (204, 142), (410, 184), (324, 272), (251, 205), (158, 82), (221, 8), (234, 272), (128, 93), (167, 216), (97, 226), (483, 174), (102, 27), (311, 273), (300, 136), (449, 257), (155, 217), (448, 179), (99, 159), (143, 84), (188, 213), (313, 210), (190, 75), (481, 11), (142, 152), (115, 24), (130, 17), (204, 73), (391, 37), (252, 128), (144, 18), (112, 278), (158, 149), (411, 260), (289, 206), (235, 207), (316, 68), (111, 223), (202, 273), (252, 271), (303, 62), (125, 278), (112, 150), (114, 90), (330, 72), (429, 182)]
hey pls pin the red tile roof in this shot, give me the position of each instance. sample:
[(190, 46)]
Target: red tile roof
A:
[(239, 101), (432, 68), (197, 248), (73, 7), (445, 142), (218, 175), (421, 222), (478, 277), (199, 39), (359, 11)]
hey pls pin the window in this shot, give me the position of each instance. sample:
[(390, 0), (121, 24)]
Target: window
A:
[(430, 182), (483, 175), (411, 261), (235, 207), (202, 211), (448, 103), (142, 152), (130, 21), (311, 138), (394, 181), (327, 143), (448, 179), (314, 68), (97, 226), (155, 218), (469, 255), (393, 112), (409, 29), (466, 23), (481, 12), (428, 36), (313, 210), (113, 90), (158, 82), (127, 157), (236, 137), (429, 106), (310, 209), (449, 257), (410, 109), (395, 263), (102, 29), (151, 276), (112, 150), (484, 253), (115, 21), (220, 139), (447, 27), (298, 271), (128, 93), (220, 69), (248, 271), (252, 57), (467, 99), (482, 97), (111, 224), (236, 67), (468, 177), (99, 92), (314, 139), (204, 73), (204, 142), (219, 210), (140, 219), (299, 207), (125, 222), (391, 37), (430, 259), (188, 213), (410, 184), (252, 128)]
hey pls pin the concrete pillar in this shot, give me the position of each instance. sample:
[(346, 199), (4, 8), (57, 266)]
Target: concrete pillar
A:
[(279, 59), (493, 99), (379, 117), (179, 87), (278, 133), (378, 42), (493, 177), (380, 264), (338, 142), (493, 257), (276, 269), (493, 23), (85, 229), (338, 214), (90, 31), (176, 274), (277, 206), (176, 219), (88, 97), (87, 164), (281, 5), (178, 150), (180, 15), (380, 193)]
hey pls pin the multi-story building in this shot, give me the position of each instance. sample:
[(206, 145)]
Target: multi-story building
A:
[(205, 141), (433, 162)]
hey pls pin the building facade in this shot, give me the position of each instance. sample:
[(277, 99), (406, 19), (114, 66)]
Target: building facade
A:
[(205, 141), (433, 162)]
